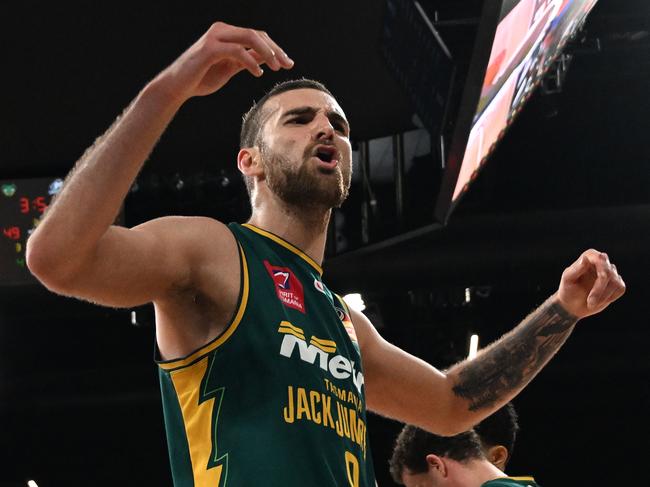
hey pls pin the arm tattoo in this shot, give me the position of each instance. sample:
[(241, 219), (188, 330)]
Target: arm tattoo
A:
[(510, 363)]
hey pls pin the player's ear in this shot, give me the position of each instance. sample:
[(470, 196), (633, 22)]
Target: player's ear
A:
[(498, 456), (436, 465), (249, 161)]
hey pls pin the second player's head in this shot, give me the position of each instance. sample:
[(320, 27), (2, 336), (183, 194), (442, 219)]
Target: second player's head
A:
[(498, 433)]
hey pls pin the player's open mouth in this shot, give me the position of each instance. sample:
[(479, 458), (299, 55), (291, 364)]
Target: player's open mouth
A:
[(327, 155)]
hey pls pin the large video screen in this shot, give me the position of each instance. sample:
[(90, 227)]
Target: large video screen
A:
[(529, 36)]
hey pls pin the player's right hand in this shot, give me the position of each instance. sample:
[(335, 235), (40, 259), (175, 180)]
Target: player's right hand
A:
[(590, 284), (223, 51)]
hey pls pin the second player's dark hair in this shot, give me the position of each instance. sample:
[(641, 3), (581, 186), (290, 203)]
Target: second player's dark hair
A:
[(500, 428), (414, 444)]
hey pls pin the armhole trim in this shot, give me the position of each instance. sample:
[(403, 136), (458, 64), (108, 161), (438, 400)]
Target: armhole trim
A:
[(346, 308), (228, 332)]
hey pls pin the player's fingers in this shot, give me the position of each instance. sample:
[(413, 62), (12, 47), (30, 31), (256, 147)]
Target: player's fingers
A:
[(259, 59), (577, 269), (618, 284), (274, 60), (604, 274), (250, 38), (245, 58), (281, 56), (614, 290)]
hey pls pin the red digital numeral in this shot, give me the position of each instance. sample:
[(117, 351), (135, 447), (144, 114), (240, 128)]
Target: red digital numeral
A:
[(24, 205), (12, 233), (39, 204)]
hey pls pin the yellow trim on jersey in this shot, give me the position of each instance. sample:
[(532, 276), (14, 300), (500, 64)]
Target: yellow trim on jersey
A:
[(346, 308), (286, 245), (325, 343), (322, 341), (347, 324), (221, 339), (197, 418), (290, 325), (289, 331), (522, 479), (322, 347)]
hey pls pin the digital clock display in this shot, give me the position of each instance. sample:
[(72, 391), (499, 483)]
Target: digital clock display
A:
[(22, 204)]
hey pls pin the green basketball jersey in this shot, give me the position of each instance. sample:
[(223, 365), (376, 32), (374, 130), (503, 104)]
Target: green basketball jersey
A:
[(278, 398), (511, 482)]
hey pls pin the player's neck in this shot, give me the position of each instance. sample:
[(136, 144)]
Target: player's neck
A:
[(483, 471), (306, 228)]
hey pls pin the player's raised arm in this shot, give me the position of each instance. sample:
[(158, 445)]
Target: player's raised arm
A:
[(403, 387), (75, 250)]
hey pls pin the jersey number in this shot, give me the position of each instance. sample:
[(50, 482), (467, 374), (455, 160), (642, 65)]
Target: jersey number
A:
[(352, 468)]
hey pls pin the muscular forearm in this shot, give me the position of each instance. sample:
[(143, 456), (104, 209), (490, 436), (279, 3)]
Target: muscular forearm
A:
[(403, 387), (505, 367), (94, 190)]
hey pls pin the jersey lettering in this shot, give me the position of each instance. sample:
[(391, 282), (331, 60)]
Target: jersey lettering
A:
[(338, 366)]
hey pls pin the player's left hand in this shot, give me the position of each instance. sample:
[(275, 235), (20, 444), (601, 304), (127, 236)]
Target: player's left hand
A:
[(590, 284)]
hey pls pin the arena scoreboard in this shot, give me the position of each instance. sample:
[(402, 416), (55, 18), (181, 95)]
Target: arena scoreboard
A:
[(22, 204)]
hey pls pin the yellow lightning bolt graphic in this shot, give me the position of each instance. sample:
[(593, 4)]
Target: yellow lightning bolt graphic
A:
[(200, 420)]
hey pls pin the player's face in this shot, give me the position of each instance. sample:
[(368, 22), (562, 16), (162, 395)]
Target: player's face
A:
[(306, 149)]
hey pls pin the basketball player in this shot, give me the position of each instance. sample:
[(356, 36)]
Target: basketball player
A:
[(422, 459), (497, 434), (261, 366)]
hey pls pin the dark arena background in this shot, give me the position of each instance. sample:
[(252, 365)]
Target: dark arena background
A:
[(79, 395)]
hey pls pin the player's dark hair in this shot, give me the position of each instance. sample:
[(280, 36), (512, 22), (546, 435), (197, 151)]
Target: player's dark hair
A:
[(414, 444), (252, 120), (500, 428)]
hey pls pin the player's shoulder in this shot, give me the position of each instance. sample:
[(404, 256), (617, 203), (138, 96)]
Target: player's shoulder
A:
[(185, 221), (200, 236), (186, 225)]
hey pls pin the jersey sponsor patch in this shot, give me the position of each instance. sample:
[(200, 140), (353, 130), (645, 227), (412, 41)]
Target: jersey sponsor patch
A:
[(287, 286), (320, 352)]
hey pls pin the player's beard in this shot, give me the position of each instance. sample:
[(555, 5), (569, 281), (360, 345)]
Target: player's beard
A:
[(306, 185)]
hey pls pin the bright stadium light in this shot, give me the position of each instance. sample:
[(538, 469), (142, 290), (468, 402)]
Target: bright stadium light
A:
[(355, 301), (31, 483), (473, 347)]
